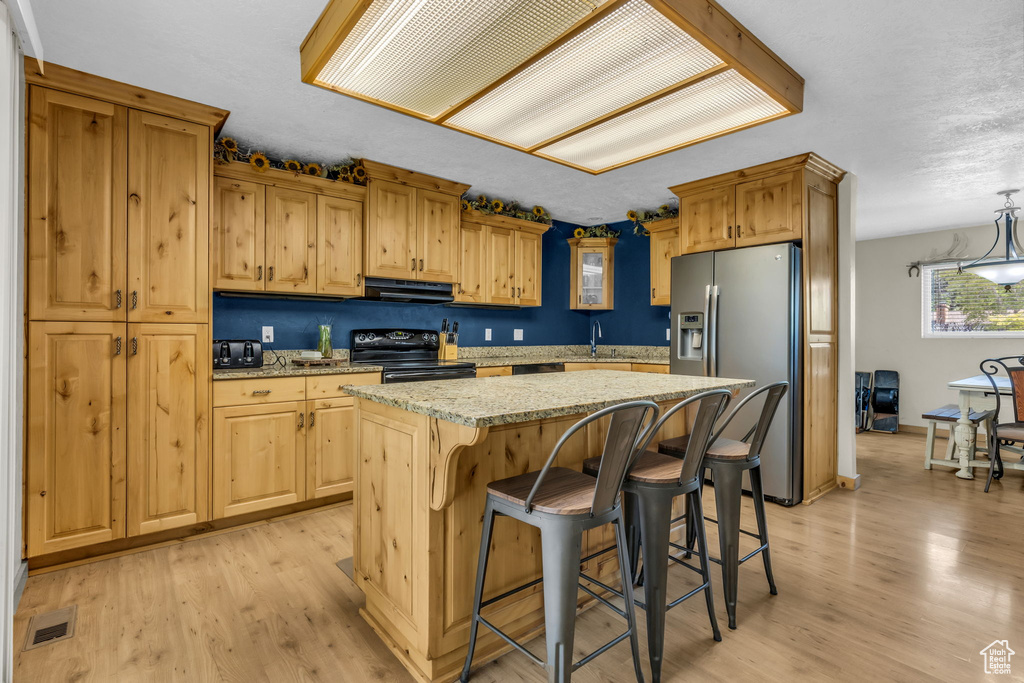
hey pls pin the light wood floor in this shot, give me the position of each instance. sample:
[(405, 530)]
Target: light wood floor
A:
[(906, 579)]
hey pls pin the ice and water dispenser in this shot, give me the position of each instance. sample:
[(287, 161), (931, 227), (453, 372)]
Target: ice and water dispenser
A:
[(691, 336)]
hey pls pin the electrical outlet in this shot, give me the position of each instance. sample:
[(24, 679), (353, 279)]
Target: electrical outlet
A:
[(668, 334), (268, 334), (517, 335), (487, 334)]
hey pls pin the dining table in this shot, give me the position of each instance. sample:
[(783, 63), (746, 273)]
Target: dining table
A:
[(976, 394)]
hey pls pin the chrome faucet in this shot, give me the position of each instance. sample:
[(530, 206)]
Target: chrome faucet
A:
[(595, 334)]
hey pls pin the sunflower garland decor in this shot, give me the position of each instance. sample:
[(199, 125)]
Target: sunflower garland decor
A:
[(313, 169), (579, 232), (500, 207), (639, 218), (596, 231), (465, 205), (227, 150), (292, 165), (259, 161), (497, 206)]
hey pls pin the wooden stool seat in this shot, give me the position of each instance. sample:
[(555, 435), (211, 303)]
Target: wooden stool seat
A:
[(951, 413), (651, 467), (564, 491), (721, 449)]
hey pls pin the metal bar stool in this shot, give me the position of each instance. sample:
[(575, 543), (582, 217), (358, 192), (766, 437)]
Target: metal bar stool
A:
[(655, 480), (1005, 433), (564, 503), (728, 459)]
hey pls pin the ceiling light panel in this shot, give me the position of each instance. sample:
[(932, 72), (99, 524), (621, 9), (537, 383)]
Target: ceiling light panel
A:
[(713, 106), (633, 52), (426, 56)]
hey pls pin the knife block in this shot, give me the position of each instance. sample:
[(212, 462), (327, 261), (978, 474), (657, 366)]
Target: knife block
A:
[(448, 351)]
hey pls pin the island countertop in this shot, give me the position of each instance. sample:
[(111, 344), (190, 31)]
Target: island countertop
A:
[(490, 401)]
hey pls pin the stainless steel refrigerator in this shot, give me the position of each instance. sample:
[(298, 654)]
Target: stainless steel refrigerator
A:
[(736, 313)]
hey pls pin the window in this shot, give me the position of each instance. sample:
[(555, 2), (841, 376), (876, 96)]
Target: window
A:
[(967, 305)]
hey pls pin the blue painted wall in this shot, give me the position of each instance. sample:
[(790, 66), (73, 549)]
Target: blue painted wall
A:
[(295, 321)]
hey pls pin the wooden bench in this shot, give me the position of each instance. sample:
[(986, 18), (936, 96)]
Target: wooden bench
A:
[(948, 413)]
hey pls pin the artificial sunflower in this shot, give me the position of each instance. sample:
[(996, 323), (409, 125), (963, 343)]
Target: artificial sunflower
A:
[(664, 209), (292, 165), (465, 205), (229, 144), (538, 211), (482, 200), (497, 206), (359, 173), (631, 215), (313, 169), (579, 232), (345, 174), (259, 161)]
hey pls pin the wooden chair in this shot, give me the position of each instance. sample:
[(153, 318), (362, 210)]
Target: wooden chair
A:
[(1009, 432), (949, 413)]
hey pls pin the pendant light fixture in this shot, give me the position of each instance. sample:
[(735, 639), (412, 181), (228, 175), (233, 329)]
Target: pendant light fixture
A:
[(1009, 270)]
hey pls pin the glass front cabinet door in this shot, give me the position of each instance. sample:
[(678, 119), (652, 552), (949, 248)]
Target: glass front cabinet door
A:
[(593, 275)]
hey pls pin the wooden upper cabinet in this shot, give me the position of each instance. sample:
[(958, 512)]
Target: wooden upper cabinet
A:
[(768, 210), (168, 219), (501, 264), (472, 284), (339, 246), (391, 230), (592, 273), (330, 447), (528, 268), (291, 240), (168, 426), (237, 242), (706, 220), (77, 175), (75, 456), (437, 236), (665, 246)]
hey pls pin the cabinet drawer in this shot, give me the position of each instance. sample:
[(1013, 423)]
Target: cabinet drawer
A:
[(242, 392), (330, 386), (496, 371), (573, 367), (650, 367)]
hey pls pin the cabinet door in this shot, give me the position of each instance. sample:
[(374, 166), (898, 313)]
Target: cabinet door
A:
[(664, 246), (330, 447), (339, 246), (706, 220), (168, 219), (291, 240), (237, 242), (76, 435), (77, 175), (391, 230), (593, 279), (472, 285), (259, 457), (768, 210), (501, 265), (168, 426), (437, 256), (528, 258)]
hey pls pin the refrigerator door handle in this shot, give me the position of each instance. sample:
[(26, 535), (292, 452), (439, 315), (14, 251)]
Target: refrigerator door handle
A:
[(713, 328), (705, 356)]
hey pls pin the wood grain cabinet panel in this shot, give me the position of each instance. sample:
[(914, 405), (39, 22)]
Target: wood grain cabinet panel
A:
[(472, 284), (75, 459), (391, 230), (259, 457), (437, 236), (528, 269), (706, 220), (168, 426), (339, 246), (237, 242), (768, 210), (330, 447), (665, 246), (291, 240), (77, 160), (501, 264), (168, 219)]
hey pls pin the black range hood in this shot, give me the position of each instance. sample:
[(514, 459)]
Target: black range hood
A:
[(407, 291)]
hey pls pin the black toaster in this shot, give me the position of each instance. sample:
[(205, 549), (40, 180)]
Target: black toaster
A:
[(237, 353)]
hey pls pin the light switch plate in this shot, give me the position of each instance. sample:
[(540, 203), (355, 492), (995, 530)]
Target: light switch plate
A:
[(268, 334), (487, 334), (517, 335), (668, 334)]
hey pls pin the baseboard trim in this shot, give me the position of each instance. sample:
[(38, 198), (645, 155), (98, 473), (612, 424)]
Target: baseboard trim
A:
[(20, 578), (849, 483), (916, 429)]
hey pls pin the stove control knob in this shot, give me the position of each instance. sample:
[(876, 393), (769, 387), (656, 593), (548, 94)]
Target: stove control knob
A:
[(426, 337), (433, 337), (371, 336), (361, 337)]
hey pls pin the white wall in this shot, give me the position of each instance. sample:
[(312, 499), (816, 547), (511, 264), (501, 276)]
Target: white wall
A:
[(846, 443), (889, 321)]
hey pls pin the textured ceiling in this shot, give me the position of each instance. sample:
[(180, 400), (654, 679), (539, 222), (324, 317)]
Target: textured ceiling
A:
[(922, 100)]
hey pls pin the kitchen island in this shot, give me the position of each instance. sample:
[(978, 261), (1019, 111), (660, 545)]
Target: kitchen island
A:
[(426, 453)]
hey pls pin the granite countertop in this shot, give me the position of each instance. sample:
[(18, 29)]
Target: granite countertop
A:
[(495, 361), (291, 370), (489, 401)]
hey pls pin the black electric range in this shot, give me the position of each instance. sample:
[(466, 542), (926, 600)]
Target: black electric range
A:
[(406, 355)]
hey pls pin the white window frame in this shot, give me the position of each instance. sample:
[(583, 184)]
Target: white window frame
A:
[(926, 311)]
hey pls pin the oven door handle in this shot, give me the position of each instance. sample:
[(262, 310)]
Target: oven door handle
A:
[(402, 375)]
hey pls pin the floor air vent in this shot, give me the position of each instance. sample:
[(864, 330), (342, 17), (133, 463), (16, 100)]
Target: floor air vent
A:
[(50, 627)]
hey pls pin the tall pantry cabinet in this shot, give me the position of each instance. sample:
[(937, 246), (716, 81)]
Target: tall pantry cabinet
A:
[(118, 302)]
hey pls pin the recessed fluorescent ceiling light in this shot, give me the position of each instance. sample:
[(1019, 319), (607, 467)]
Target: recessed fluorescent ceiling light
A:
[(593, 84)]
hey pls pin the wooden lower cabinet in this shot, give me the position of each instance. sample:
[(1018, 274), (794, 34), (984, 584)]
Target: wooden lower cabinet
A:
[(75, 457), (168, 426), (496, 371), (259, 457), (573, 367), (330, 456)]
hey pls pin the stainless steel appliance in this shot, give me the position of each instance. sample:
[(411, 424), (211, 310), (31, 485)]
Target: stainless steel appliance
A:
[(407, 355), (736, 313), (407, 291), (537, 368), (237, 353)]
